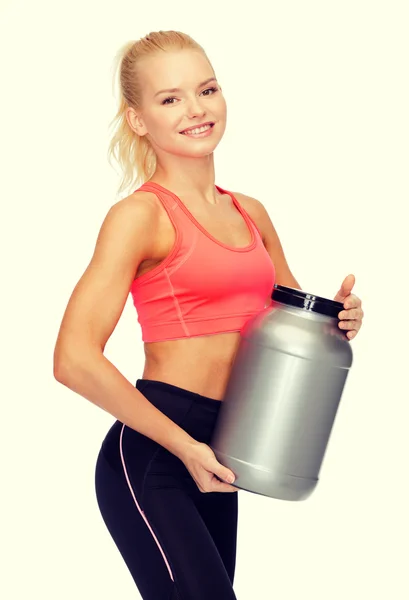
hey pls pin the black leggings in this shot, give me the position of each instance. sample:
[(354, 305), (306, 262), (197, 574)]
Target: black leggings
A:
[(179, 543)]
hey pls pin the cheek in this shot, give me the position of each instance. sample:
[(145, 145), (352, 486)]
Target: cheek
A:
[(167, 122), (221, 115), (162, 121), (222, 106)]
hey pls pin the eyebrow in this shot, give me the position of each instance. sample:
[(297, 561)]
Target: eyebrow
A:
[(179, 90)]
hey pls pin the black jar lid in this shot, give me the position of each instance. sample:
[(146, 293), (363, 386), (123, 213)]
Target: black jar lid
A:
[(306, 301)]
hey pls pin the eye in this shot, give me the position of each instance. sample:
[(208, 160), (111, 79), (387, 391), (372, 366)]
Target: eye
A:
[(212, 89)]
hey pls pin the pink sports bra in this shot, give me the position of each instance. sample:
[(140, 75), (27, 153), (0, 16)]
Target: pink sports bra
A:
[(203, 286)]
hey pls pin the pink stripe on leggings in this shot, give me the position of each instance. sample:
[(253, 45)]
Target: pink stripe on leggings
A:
[(141, 511)]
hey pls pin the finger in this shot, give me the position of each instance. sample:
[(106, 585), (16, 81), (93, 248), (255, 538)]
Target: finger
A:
[(352, 313), (347, 324), (352, 301), (223, 473), (220, 486)]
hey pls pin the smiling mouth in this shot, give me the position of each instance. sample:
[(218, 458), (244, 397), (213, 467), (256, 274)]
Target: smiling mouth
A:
[(187, 131)]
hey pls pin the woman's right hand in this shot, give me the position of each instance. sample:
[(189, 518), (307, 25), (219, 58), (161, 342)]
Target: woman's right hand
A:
[(206, 470)]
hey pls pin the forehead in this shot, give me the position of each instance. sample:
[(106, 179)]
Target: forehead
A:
[(182, 69)]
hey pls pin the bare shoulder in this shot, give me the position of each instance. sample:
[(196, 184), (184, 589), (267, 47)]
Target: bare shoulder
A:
[(271, 240), (255, 209), (138, 201), (244, 199), (126, 231), (139, 210)]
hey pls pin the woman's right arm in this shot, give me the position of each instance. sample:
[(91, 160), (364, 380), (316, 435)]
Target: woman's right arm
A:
[(94, 309)]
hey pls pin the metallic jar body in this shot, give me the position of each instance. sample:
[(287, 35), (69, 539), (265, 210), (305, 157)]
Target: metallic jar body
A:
[(283, 395)]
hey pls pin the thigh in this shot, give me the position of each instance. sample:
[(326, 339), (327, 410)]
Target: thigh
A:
[(167, 535), (219, 512), (195, 529), (130, 532)]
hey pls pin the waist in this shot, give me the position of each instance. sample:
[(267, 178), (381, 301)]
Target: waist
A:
[(200, 364)]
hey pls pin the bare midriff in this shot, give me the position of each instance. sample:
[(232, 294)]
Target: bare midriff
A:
[(200, 364)]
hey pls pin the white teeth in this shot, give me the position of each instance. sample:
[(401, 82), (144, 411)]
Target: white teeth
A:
[(198, 130)]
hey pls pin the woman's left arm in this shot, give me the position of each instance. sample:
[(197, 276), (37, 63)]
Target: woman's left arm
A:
[(352, 315)]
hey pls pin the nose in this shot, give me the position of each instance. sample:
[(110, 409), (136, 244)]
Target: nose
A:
[(195, 108)]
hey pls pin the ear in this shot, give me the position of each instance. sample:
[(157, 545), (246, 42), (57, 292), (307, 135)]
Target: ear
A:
[(135, 122)]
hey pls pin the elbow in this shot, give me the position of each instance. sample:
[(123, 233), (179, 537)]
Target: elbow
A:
[(69, 361), (60, 369), (59, 374), (63, 365)]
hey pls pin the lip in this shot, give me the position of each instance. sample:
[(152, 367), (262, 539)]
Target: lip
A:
[(197, 126)]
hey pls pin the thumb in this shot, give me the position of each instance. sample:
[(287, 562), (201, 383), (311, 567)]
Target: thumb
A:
[(345, 289), (225, 474)]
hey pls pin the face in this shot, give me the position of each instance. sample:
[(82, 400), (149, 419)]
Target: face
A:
[(164, 115)]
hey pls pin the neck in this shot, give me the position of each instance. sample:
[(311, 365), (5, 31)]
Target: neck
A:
[(192, 177)]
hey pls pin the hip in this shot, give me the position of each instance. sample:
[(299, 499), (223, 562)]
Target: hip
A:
[(127, 450)]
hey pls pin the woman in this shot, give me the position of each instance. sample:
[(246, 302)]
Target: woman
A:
[(199, 261)]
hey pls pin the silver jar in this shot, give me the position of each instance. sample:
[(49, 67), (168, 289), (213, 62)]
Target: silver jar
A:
[(283, 394)]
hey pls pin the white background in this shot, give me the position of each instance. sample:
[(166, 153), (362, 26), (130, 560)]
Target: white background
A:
[(317, 130)]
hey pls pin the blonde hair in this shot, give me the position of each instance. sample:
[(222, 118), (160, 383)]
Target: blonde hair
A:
[(134, 153)]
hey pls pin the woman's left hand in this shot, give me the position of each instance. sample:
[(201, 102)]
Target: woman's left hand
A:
[(351, 317)]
